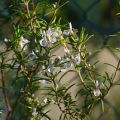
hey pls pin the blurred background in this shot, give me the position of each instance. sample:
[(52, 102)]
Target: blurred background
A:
[(99, 17)]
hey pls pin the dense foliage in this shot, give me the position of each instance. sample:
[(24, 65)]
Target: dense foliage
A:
[(33, 66)]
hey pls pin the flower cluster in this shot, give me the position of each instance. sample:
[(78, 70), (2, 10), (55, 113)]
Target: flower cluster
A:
[(51, 35), (62, 63), (69, 61)]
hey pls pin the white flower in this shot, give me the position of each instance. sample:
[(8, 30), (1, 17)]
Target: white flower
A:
[(97, 84), (97, 92), (50, 68), (52, 32), (52, 39), (23, 42), (69, 31), (43, 42), (52, 35), (76, 59), (6, 40), (66, 32), (34, 113), (45, 100)]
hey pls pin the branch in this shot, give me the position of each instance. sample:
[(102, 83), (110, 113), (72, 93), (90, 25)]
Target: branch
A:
[(7, 103)]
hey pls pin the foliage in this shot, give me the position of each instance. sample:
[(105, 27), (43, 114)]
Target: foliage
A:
[(37, 33)]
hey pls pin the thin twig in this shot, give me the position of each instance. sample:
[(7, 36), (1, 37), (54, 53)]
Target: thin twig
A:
[(90, 74), (117, 68), (7, 103)]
